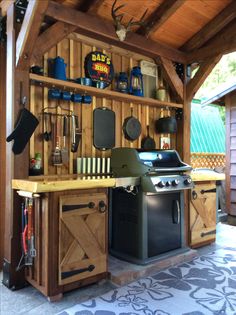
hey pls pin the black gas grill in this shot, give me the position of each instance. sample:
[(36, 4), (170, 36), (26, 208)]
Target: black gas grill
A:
[(147, 217)]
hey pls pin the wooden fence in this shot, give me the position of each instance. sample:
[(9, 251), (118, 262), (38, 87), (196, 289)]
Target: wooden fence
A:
[(207, 160)]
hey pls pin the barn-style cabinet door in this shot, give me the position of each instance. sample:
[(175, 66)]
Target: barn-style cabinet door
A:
[(82, 236), (203, 214)]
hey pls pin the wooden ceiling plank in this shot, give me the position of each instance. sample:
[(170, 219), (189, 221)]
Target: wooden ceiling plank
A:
[(95, 27), (53, 35), (222, 43), (211, 28), (160, 16), (29, 31), (204, 70), (172, 78)]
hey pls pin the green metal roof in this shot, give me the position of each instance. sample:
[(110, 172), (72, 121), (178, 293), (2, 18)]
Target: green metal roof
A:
[(207, 129)]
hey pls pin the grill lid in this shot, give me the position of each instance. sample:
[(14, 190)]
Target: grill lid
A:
[(137, 162)]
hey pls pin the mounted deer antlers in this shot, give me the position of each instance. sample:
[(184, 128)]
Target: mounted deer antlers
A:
[(122, 30)]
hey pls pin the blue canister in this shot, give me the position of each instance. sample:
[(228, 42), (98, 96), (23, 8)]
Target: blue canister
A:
[(59, 68)]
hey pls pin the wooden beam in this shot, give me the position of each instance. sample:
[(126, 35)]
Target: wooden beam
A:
[(29, 31), (172, 78), (50, 38), (212, 28), (58, 31), (100, 29), (222, 43), (2, 146), (4, 6), (160, 16), (200, 76)]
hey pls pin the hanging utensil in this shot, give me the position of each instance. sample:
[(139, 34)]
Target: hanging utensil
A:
[(64, 150), (166, 124), (56, 154), (76, 135), (148, 142)]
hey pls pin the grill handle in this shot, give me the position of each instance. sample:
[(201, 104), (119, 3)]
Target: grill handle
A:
[(176, 212)]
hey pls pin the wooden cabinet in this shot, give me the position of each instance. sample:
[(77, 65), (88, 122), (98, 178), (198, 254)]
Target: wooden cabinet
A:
[(82, 239), (202, 214), (71, 241)]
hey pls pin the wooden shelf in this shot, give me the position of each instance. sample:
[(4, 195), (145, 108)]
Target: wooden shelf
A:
[(51, 82)]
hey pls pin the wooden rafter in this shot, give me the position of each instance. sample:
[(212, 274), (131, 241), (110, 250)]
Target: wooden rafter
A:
[(160, 16), (89, 5), (204, 70), (172, 78), (50, 38), (29, 31), (59, 31), (212, 28), (100, 29), (222, 43)]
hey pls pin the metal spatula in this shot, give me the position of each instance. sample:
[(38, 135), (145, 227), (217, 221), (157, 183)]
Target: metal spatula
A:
[(64, 150), (56, 154)]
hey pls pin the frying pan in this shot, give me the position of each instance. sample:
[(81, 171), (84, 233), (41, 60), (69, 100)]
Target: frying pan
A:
[(148, 142), (131, 127)]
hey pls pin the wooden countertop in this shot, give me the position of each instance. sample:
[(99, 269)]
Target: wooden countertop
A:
[(47, 185), (202, 175)]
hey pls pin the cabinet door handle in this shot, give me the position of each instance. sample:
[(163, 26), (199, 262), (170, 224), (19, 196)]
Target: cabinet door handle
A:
[(194, 195), (89, 205), (213, 190), (176, 210), (67, 274), (208, 233), (102, 206)]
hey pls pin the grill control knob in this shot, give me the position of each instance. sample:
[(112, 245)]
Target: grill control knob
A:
[(168, 183), (187, 181), (175, 182), (161, 184)]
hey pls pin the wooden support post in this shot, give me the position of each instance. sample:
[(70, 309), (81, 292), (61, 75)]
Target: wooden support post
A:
[(29, 32), (16, 166), (2, 144)]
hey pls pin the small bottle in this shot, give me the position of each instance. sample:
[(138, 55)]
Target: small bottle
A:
[(38, 163)]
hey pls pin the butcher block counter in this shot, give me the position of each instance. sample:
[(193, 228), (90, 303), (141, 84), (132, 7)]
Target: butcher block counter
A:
[(203, 206), (206, 175), (59, 184)]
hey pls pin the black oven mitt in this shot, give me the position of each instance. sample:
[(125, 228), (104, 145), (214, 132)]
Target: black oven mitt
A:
[(24, 129)]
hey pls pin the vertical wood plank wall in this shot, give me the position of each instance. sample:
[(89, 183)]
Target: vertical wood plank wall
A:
[(2, 145), (74, 50), (231, 153)]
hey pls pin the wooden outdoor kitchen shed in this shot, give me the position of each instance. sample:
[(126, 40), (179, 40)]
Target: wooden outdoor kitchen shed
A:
[(183, 33)]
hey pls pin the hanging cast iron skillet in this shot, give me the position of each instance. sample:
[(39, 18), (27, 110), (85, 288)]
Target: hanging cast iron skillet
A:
[(166, 125), (131, 127), (148, 142)]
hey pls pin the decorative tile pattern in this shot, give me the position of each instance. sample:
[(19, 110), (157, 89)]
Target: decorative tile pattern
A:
[(204, 286)]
